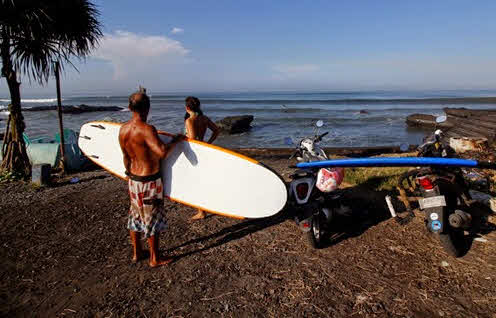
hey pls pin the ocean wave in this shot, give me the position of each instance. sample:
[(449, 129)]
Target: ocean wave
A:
[(341, 121), (36, 100), (363, 110), (352, 101), (4, 112)]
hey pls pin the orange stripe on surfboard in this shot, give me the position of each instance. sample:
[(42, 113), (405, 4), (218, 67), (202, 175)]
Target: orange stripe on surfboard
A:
[(189, 140), (160, 132)]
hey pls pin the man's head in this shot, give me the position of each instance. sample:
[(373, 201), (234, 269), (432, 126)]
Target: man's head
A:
[(139, 103)]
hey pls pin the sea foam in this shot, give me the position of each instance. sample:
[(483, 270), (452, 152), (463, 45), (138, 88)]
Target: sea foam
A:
[(35, 100)]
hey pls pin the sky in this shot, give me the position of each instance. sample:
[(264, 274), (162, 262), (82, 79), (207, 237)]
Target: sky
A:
[(223, 46)]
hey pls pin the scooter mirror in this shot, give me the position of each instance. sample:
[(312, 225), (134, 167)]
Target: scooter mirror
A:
[(288, 141), (404, 147), (319, 123), (441, 119)]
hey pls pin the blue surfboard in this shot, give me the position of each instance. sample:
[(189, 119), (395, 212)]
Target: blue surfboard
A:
[(397, 162)]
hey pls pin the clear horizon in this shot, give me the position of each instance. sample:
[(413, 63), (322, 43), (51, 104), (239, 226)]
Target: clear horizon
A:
[(222, 47)]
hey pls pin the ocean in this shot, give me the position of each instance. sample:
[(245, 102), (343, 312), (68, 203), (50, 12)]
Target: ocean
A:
[(353, 118)]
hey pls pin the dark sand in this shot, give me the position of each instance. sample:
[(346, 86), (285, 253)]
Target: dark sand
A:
[(65, 252)]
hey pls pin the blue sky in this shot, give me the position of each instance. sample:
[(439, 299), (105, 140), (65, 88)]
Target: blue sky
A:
[(205, 46)]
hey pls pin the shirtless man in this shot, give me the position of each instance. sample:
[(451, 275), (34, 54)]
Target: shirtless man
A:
[(143, 151)]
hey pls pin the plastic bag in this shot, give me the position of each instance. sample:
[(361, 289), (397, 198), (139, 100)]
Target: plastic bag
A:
[(329, 179)]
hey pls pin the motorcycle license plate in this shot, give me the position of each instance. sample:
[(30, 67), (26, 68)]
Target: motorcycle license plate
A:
[(432, 202)]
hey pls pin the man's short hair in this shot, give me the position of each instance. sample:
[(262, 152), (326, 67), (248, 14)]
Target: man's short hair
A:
[(139, 101)]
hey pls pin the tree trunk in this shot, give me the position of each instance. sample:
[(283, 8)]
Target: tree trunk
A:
[(15, 157)]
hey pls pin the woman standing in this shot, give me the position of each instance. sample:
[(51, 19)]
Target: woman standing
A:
[(196, 125)]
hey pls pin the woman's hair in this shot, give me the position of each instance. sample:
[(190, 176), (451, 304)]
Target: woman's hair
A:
[(192, 103)]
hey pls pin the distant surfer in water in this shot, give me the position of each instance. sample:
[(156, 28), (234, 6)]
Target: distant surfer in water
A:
[(196, 125), (143, 150)]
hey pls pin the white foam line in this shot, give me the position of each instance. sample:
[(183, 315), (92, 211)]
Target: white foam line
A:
[(35, 100)]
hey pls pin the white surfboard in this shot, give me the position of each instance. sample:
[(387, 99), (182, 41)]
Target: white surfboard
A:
[(197, 174)]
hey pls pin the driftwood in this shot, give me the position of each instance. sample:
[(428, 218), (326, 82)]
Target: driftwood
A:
[(461, 122), (423, 120)]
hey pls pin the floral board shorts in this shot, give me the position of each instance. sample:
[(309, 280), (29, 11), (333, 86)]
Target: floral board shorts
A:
[(147, 213)]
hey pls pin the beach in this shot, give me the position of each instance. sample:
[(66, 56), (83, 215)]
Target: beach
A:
[(66, 252)]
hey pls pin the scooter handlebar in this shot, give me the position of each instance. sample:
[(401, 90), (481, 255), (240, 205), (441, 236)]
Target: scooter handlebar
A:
[(319, 138)]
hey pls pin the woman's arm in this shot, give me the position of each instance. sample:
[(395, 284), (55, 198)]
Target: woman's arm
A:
[(215, 130)]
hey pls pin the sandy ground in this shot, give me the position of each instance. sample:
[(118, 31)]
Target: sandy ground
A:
[(66, 252)]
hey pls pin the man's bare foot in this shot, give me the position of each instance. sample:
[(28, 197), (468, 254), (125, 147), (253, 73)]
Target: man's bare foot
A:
[(198, 216), (161, 262), (140, 256)]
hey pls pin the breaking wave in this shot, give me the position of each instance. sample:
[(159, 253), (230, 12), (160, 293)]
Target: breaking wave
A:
[(35, 100)]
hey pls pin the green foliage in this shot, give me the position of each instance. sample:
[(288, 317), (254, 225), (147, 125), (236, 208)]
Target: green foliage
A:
[(374, 178), (38, 32), (8, 176)]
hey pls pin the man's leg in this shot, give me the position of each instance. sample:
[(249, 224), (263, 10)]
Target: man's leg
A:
[(137, 250), (155, 260)]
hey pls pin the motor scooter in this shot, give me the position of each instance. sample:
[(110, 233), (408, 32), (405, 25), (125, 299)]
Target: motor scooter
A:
[(313, 193)]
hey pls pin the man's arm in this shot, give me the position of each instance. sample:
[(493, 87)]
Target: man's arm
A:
[(127, 159), (156, 145), (215, 130)]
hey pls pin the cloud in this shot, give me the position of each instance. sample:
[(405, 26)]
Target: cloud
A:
[(128, 52), (295, 70), (177, 30)]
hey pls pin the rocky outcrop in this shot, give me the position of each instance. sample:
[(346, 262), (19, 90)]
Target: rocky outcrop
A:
[(75, 109), (461, 122), (235, 124), (427, 121)]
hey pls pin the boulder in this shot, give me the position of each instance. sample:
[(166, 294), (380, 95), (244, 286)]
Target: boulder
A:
[(235, 124)]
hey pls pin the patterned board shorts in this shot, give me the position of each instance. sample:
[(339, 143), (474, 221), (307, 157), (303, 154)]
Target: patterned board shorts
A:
[(147, 213)]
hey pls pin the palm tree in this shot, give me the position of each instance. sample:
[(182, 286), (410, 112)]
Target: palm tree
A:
[(33, 34)]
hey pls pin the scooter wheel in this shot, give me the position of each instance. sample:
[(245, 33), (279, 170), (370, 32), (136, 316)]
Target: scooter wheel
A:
[(314, 236)]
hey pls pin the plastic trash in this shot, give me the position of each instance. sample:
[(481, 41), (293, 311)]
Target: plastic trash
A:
[(476, 181), (74, 180)]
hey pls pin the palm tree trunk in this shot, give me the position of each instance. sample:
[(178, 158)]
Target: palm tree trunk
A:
[(15, 157)]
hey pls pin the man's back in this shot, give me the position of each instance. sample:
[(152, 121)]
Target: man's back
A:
[(139, 142)]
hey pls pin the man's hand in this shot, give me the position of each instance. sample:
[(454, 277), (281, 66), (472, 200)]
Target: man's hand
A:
[(177, 138)]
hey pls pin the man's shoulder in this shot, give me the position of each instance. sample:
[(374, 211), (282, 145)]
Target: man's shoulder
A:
[(123, 127)]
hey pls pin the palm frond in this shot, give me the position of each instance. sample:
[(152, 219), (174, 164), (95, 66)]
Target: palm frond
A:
[(41, 31)]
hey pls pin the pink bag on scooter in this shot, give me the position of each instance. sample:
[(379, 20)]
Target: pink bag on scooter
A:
[(329, 179)]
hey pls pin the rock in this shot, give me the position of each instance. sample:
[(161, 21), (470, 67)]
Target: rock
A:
[(235, 124), (480, 239), (75, 109), (421, 120)]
